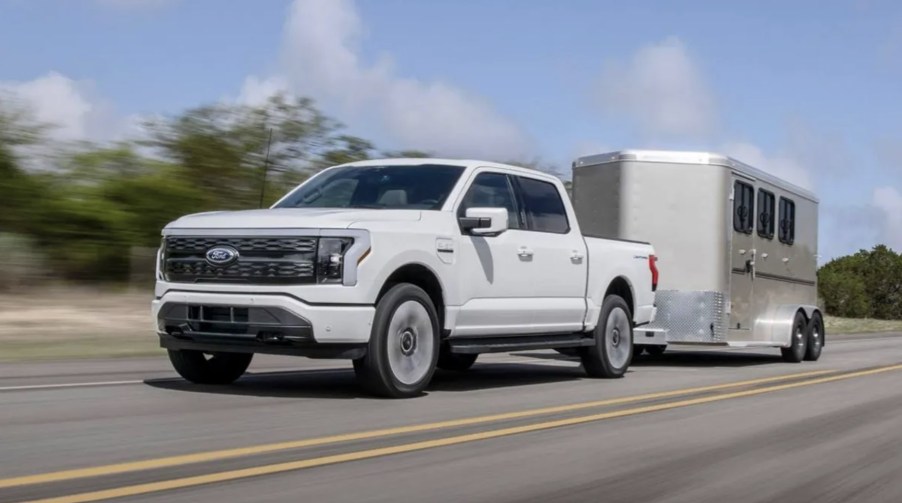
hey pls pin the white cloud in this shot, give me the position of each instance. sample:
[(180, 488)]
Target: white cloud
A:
[(73, 109), (257, 91), (660, 90), (783, 166), (320, 58), (889, 200)]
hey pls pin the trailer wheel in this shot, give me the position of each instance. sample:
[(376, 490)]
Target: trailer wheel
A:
[(215, 368), (798, 343), (815, 334), (454, 361), (655, 349), (610, 356), (403, 350)]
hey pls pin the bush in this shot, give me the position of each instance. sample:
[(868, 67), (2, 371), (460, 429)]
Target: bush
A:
[(867, 284)]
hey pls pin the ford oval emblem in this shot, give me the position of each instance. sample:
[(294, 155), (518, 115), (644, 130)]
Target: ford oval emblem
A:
[(222, 255)]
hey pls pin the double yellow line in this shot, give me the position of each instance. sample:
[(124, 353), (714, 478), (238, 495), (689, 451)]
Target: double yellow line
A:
[(817, 377)]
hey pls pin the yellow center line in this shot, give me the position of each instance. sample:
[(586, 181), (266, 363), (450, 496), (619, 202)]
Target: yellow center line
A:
[(202, 457), (179, 483)]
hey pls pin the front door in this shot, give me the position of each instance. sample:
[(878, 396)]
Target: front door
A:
[(742, 275), (499, 272)]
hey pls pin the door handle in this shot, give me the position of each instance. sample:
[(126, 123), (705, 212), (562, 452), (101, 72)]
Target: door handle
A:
[(576, 256), (524, 252)]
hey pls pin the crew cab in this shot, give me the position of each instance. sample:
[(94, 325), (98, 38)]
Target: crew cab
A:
[(403, 266)]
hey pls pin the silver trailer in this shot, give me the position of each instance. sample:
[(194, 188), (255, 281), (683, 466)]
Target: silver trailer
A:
[(736, 247)]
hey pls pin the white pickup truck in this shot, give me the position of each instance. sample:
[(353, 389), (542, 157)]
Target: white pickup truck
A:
[(401, 265)]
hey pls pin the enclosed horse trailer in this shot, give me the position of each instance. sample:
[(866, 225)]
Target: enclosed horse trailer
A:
[(737, 247)]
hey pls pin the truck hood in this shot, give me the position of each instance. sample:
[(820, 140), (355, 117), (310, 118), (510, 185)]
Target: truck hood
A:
[(316, 218)]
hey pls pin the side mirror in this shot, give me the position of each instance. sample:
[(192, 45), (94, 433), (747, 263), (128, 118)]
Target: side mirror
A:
[(485, 221)]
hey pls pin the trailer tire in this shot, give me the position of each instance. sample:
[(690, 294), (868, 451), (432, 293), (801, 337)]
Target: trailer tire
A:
[(610, 356), (403, 350), (815, 334), (455, 361), (219, 368), (798, 342)]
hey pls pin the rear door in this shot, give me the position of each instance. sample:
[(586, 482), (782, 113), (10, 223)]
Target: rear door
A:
[(743, 254), (556, 254)]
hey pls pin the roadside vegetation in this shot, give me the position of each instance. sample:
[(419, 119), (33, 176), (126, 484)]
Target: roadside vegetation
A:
[(80, 222)]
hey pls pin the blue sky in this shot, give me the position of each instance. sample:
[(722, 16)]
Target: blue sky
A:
[(808, 90)]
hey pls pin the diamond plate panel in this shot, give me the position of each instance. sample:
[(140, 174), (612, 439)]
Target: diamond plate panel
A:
[(694, 316)]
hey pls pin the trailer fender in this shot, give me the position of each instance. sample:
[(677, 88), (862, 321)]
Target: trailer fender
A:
[(776, 326)]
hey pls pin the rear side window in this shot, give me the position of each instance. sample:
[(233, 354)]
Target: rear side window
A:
[(787, 221), (543, 207), (743, 207), (766, 213), (491, 190)]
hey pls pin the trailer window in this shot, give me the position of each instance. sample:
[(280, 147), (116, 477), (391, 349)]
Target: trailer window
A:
[(743, 207), (543, 206), (766, 213), (787, 221)]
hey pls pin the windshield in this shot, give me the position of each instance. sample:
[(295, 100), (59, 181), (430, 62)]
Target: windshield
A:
[(424, 186)]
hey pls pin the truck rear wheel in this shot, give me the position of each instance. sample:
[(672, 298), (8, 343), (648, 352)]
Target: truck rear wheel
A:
[(214, 368), (610, 356), (403, 350), (815, 334), (456, 361), (798, 343)]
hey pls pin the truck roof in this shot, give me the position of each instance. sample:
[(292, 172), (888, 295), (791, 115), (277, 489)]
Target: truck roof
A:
[(692, 157), (465, 163)]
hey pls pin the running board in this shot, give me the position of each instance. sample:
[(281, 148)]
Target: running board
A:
[(519, 343)]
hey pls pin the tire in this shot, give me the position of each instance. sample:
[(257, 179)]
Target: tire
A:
[(798, 343), (815, 333), (403, 351), (219, 368), (655, 350), (456, 362), (610, 356)]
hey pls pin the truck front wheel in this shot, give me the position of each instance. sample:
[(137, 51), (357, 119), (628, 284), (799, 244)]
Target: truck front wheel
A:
[(404, 344), (610, 356), (214, 368)]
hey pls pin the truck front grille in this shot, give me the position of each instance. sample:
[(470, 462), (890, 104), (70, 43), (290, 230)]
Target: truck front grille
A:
[(261, 260)]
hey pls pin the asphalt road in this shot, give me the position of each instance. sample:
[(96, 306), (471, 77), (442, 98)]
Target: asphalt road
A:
[(690, 426)]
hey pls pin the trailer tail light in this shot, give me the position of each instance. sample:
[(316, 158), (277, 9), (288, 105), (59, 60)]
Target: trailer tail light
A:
[(653, 267)]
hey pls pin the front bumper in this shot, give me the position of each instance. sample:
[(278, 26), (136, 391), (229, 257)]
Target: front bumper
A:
[(279, 322)]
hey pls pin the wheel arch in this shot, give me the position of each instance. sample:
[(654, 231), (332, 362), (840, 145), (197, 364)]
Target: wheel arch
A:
[(423, 276)]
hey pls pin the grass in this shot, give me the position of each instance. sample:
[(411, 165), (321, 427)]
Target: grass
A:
[(68, 323), (860, 326), (76, 323)]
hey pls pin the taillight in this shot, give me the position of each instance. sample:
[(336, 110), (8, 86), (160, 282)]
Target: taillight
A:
[(653, 267)]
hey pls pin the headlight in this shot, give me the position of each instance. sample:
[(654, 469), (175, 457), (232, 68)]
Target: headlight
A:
[(330, 258), (161, 260)]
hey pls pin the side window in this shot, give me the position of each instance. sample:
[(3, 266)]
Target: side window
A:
[(491, 190), (787, 221), (743, 207), (766, 213), (543, 206)]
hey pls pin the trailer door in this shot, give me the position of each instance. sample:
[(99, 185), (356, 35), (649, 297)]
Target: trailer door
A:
[(742, 272)]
